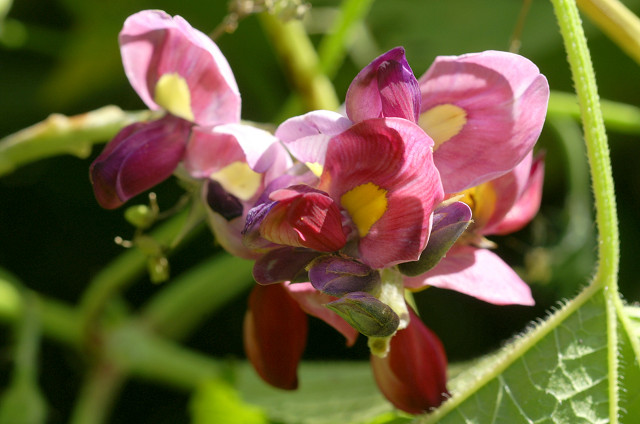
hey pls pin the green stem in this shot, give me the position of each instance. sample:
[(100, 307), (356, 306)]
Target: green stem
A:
[(617, 116), (300, 60), (602, 181), (59, 134), (596, 141), (334, 46), (184, 303), (97, 394), (123, 271)]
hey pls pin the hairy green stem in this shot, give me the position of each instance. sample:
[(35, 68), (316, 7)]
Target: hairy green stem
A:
[(596, 141), (602, 180), (299, 58)]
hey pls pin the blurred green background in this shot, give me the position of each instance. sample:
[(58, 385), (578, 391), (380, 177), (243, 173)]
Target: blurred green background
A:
[(62, 56)]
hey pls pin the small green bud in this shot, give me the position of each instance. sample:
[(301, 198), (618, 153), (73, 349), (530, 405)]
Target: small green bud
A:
[(366, 314), (141, 216), (158, 267)]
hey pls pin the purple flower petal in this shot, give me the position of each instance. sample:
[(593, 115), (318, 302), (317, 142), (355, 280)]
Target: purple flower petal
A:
[(449, 222), (384, 88), (141, 156), (283, 264), (338, 276)]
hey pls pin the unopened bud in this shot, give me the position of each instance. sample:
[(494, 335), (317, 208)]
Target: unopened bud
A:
[(366, 314)]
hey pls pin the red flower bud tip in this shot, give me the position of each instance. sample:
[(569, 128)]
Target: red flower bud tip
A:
[(413, 375), (275, 335)]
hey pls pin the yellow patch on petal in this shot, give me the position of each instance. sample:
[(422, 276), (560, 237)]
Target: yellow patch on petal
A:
[(366, 204), (314, 167), (482, 201), (442, 122), (238, 179), (172, 94)]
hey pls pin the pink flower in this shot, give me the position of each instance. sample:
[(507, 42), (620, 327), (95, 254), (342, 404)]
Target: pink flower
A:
[(499, 206), (383, 207), (175, 68)]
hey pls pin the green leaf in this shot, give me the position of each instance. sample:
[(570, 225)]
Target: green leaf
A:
[(563, 371), (333, 392), (215, 401)]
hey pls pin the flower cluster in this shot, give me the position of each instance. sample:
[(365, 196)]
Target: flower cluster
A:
[(396, 194)]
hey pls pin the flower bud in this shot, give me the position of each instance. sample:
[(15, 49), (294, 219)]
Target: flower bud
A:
[(366, 314), (413, 375), (275, 335)]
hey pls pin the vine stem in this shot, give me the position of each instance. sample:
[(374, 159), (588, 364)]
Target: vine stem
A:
[(596, 142), (602, 180)]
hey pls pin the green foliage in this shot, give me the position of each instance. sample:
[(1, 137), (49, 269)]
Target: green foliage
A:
[(215, 401), (333, 392)]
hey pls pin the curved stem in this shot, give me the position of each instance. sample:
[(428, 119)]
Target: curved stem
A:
[(596, 141), (299, 58), (602, 180)]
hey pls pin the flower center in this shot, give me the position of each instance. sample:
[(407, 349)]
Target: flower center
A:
[(442, 122), (366, 204), (482, 200), (238, 179), (172, 94)]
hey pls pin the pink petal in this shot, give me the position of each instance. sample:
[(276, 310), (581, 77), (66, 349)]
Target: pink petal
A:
[(307, 136), (407, 174), (153, 43), (505, 99), (384, 88), (228, 234), (312, 302), (476, 272), (212, 148), (304, 217), (506, 190), (526, 206)]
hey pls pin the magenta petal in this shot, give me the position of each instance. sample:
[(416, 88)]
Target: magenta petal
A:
[(476, 272), (139, 157), (312, 302), (505, 100), (304, 217), (384, 88), (408, 175), (526, 206), (307, 136), (153, 43)]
